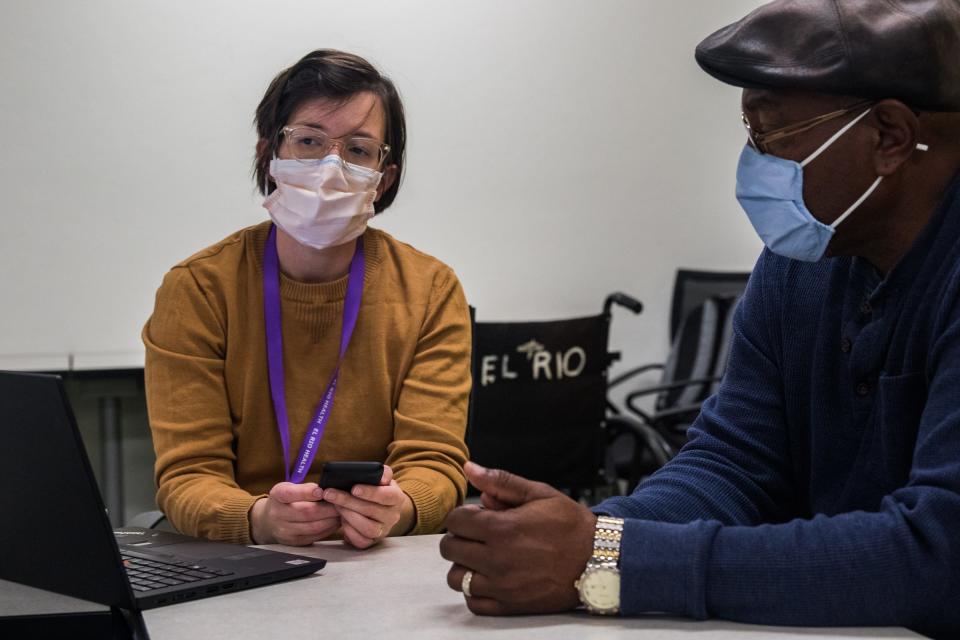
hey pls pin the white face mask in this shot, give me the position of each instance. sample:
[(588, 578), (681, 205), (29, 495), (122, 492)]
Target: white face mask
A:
[(324, 203)]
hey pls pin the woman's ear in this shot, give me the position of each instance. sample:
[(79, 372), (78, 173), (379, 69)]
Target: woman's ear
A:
[(262, 164), (389, 177), (898, 131)]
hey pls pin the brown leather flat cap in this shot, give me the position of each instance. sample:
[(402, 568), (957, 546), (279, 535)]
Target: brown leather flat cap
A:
[(903, 49)]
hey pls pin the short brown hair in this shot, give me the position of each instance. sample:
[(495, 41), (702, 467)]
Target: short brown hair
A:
[(336, 75)]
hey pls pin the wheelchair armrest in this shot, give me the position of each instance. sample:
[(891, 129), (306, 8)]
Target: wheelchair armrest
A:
[(680, 384), (675, 412), (623, 377)]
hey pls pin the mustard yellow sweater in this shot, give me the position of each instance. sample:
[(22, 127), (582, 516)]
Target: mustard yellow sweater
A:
[(401, 399)]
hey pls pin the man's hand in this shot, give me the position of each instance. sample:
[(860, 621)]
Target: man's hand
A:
[(370, 513), (526, 548), (292, 515)]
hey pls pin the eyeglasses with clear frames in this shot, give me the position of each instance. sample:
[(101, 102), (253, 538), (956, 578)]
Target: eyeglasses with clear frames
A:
[(761, 140), (307, 144)]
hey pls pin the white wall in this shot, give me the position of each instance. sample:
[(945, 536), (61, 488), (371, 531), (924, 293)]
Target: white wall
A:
[(559, 150)]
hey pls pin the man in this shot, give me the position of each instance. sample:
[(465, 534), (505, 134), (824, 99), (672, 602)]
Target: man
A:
[(821, 484)]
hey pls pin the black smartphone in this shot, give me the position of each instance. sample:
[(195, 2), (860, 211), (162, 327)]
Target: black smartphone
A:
[(344, 475)]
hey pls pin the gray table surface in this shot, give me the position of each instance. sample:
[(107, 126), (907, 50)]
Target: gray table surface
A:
[(396, 590)]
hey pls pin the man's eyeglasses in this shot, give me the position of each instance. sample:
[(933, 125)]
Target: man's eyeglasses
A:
[(307, 144), (761, 140)]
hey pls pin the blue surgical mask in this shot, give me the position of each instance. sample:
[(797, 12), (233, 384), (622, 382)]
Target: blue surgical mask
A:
[(770, 190)]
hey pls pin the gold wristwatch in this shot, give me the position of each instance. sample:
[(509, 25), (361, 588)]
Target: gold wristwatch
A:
[(599, 584)]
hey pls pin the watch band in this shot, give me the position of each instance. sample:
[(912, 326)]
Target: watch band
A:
[(599, 584), (606, 541)]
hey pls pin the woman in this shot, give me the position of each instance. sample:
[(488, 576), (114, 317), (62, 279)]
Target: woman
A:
[(312, 338)]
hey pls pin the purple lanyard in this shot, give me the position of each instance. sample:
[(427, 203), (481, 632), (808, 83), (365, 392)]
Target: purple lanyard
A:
[(271, 313)]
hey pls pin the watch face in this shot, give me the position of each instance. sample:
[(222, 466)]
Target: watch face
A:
[(600, 589)]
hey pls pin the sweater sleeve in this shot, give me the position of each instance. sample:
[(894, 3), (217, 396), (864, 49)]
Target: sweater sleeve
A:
[(190, 416), (711, 556), (428, 450)]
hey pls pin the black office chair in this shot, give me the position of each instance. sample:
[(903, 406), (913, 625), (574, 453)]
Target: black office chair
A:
[(691, 288), (538, 403), (151, 520), (701, 323)]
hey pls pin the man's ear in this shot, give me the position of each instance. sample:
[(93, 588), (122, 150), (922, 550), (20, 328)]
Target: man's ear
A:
[(898, 130), (389, 177)]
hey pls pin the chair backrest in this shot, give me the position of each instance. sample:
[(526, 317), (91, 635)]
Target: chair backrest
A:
[(691, 288), (539, 398), (699, 352)]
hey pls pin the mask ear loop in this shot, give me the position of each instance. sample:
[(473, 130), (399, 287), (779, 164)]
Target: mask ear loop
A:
[(873, 187), (853, 207), (834, 138)]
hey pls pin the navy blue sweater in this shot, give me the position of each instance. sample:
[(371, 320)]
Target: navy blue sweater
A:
[(821, 484)]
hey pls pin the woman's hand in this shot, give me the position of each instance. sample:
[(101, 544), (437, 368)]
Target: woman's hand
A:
[(370, 513), (293, 515)]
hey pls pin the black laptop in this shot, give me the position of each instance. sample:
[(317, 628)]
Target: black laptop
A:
[(54, 530)]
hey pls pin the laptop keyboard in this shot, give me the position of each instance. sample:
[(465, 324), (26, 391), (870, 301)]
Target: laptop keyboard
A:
[(147, 575)]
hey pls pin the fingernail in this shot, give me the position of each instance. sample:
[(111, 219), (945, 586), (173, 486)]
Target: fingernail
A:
[(474, 467), (318, 493), (331, 495), (358, 492)]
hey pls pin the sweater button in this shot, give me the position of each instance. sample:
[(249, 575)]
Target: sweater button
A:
[(847, 345), (863, 389), (865, 308)]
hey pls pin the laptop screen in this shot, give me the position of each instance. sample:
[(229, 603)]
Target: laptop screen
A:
[(54, 530)]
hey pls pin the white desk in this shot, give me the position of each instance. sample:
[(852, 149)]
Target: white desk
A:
[(397, 590)]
